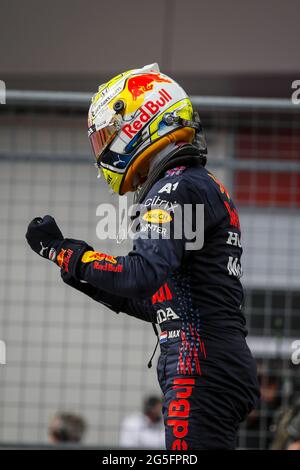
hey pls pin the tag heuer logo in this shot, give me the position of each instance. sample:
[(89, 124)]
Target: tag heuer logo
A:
[(157, 216)]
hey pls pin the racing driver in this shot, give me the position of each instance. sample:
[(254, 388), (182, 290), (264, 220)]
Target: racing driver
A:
[(147, 139)]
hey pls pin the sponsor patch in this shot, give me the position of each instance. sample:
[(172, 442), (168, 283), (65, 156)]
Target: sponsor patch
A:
[(140, 84), (146, 112), (63, 258), (176, 171), (234, 217), (173, 334), (167, 314), (164, 293), (178, 413), (166, 335), (157, 216), (60, 257), (90, 256), (163, 337), (108, 267), (52, 254), (163, 203), (153, 228)]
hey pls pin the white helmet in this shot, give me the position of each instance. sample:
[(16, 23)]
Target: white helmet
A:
[(133, 117)]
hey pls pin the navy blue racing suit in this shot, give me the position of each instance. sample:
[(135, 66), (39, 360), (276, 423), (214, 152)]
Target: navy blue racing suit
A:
[(205, 369)]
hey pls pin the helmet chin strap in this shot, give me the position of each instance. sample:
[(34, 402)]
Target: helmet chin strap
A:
[(174, 154)]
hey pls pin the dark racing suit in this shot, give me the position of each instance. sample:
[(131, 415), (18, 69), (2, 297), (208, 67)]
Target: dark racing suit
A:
[(205, 369)]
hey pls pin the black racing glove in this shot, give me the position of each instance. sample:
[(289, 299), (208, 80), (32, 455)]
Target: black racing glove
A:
[(44, 237)]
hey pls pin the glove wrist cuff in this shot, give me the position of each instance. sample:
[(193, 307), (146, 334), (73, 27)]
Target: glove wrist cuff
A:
[(70, 254)]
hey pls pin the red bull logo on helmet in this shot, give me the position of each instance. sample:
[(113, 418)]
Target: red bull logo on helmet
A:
[(140, 84), (149, 109)]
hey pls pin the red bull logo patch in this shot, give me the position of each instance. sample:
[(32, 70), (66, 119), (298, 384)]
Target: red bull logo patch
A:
[(179, 412), (149, 109), (140, 84), (60, 257), (63, 258), (108, 267), (90, 256)]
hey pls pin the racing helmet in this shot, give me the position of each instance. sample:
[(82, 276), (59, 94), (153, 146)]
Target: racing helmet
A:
[(133, 117)]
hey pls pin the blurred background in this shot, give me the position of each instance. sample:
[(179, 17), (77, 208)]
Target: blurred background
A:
[(71, 363)]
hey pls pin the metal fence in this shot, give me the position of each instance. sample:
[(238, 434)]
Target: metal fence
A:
[(65, 352)]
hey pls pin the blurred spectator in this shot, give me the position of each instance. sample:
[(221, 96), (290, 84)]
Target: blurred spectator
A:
[(259, 422), (144, 430), (287, 428), (66, 428)]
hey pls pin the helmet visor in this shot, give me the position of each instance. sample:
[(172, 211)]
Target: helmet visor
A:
[(101, 139), (102, 133)]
